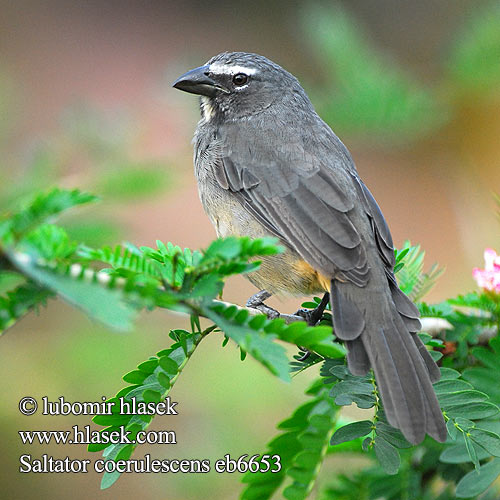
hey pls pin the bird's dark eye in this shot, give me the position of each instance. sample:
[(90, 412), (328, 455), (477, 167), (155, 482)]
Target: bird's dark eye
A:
[(240, 79)]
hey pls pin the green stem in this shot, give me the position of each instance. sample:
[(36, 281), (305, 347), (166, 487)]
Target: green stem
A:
[(324, 449), (196, 340), (377, 407)]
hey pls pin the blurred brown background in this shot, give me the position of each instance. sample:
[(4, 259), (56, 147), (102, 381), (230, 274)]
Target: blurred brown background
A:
[(85, 92)]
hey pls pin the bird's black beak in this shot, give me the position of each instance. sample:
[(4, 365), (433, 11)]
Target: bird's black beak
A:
[(198, 82)]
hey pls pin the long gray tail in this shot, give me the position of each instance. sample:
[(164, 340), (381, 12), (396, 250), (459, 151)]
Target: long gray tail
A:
[(379, 327)]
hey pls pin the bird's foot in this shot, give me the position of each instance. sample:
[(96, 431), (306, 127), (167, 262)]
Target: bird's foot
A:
[(313, 316), (256, 301), (304, 356)]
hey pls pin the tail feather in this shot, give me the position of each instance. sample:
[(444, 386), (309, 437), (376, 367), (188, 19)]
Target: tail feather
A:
[(377, 334), (436, 427), (393, 365), (357, 359), (427, 370), (348, 321), (405, 307), (432, 368), (386, 395)]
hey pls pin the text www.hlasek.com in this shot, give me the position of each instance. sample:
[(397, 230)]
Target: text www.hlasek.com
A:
[(89, 436)]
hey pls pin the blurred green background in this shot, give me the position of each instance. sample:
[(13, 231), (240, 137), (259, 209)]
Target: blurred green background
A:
[(412, 88)]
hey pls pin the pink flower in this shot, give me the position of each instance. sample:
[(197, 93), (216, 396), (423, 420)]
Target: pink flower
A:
[(489, 277)]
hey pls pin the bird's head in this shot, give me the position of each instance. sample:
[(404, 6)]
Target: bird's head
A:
[(239, 85)]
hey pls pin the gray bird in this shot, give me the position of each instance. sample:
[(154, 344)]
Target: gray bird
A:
[(267, 164)]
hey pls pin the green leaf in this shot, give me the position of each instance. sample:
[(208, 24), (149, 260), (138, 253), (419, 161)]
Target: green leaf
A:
[(399, 255), (387, 455), (258, 344), (42, 207), (105, 305), (164, 380), (464, 423), (411, 279), (473, 411), (351, 431), (459, 454), (135, 377), (353, 389), (391, 435), (461, 397), (149, 390), (151, 396), (208, 287), (108, 479), (449, 386), (19, 301), (48, 242), (487, 439), (301, 447), (471, 451), (169, 365), (148, 366), (448, 374), (227, 248), (452, 429), (309, 305), (477, 481), (398, 267)]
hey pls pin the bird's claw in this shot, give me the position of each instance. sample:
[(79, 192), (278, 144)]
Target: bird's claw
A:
[(304, 356), (307, 314), (256, 301), (312, 317)]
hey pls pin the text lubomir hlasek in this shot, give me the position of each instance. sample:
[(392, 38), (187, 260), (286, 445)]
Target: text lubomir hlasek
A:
[(126, 407)]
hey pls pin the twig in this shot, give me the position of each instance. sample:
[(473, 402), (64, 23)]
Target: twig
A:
[(5, 264), (288, 318), (433, 326)]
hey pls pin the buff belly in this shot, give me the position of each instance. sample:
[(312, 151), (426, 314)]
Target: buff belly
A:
[(283, 274)]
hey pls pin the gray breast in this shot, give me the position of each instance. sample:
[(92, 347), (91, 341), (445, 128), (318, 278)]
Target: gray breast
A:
[(278, 273), (225, 212)]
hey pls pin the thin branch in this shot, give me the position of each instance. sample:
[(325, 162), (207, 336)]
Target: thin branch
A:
[(288, 318), (433, 326), (5, 263)]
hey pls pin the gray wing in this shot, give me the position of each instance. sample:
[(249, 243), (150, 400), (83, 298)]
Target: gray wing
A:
[(310, 207), (317, 205)]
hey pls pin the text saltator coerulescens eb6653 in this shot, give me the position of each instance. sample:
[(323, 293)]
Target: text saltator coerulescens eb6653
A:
[(267, 164)]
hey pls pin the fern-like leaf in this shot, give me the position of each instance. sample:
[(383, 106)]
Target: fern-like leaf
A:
[(43, 207), (411, 278), (16, 303), (256, 334), (150, 382), (302, 446)]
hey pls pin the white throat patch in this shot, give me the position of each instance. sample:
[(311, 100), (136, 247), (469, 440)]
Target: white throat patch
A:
[(207, 108)]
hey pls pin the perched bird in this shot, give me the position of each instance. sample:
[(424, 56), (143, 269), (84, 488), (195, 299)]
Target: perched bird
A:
[(267, 164)]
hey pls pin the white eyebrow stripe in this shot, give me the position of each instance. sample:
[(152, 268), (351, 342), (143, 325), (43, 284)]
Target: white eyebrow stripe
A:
[(224, 69)]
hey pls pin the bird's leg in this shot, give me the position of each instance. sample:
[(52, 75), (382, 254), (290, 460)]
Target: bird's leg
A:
[(312, 316), (256, 301)]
